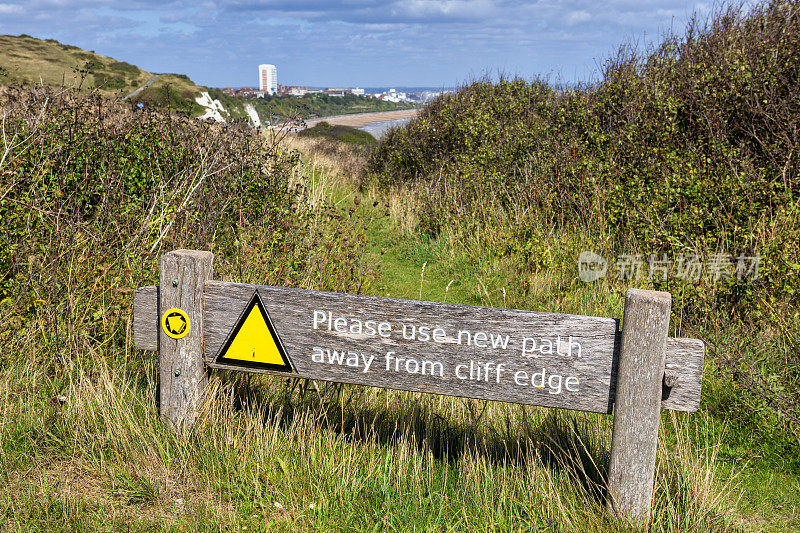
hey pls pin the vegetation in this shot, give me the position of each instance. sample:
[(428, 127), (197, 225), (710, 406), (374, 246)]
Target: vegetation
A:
[(689, 150), (166, 95), (92, 193), (470, 204), (85, 216), (28, 60), (320, 105), (345, 134)]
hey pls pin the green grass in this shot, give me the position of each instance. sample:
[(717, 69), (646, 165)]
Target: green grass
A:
[(319, 105), (274, 454), (344, 134), (502, 185), (32, 61)]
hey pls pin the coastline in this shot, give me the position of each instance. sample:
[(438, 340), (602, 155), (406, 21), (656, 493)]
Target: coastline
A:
[(362, 119)]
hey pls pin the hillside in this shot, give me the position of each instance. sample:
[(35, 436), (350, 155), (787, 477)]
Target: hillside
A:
[(26, 60)]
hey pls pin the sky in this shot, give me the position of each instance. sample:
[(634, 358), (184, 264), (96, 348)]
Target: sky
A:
[(366, 43)]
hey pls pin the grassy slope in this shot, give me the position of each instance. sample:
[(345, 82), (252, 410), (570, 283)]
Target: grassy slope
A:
[(321, 105), (29, 60), (25, 59), (345, 134)]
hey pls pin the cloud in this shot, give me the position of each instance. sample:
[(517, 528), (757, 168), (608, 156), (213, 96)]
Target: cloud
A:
[(10, 9), (392, 11), (576, 17), (455, 9)]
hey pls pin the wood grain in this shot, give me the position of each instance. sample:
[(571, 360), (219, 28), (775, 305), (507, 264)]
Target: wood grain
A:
[(183, 274), (637, 407), (684, 359), (145, 318), (684, 365)]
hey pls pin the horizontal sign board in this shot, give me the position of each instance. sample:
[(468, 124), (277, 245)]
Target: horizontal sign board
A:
[(526, 357), (495, 354)]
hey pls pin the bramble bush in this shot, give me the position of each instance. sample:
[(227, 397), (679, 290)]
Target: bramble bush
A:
[(93, 191), (692, 147), (688, 148)]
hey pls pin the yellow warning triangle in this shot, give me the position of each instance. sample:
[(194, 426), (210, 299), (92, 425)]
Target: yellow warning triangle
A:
[(253, 341)]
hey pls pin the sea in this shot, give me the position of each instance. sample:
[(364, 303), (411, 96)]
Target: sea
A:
[(399, 88), (379, 129)]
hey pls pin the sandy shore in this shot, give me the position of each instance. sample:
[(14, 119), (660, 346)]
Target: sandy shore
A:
[(362, 119)]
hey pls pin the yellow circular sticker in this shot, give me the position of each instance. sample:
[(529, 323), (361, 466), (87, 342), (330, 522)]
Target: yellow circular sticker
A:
[(175, 323)]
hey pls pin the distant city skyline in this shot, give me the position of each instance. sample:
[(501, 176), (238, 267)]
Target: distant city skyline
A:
[(412, 43)]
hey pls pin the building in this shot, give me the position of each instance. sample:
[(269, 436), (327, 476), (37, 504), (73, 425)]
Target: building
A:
[(337, 91), (358, 92), (293, 90), (268, 79)]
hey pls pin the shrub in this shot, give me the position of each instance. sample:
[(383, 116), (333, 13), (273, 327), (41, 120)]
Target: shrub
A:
[(690, 148), (168, 97), (124, 67), (109, 82), (86, 182), (344, 134)]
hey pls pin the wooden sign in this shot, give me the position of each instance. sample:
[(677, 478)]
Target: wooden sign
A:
[(552, 360), (547, 359)]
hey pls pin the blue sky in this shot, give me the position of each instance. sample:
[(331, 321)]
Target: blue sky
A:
[(353, 42)]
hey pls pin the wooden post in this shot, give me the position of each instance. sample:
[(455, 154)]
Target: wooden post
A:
[(183, 378), (637, 407)]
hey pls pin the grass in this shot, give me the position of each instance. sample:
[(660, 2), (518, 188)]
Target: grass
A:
[(320, 105), (82, 446), (272, 455), (34, 61), (345, 134), (30, 61), (510, 181)]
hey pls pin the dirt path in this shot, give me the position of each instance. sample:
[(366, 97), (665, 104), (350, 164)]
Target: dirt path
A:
[(137, 91)]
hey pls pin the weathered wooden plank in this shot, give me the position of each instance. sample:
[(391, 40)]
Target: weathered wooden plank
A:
[(684, 360), (145, 318), (683, 374), (183, 274), (580, 379), (637, 407)]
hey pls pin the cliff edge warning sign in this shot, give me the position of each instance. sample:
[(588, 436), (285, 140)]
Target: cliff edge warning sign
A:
[(253, 342)]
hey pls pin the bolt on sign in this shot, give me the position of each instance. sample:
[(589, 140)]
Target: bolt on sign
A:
[(552, 360)]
